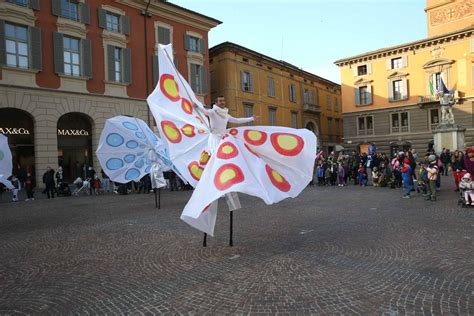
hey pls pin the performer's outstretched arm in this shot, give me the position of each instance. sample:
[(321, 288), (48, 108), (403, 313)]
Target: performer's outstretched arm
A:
[(241, 120)]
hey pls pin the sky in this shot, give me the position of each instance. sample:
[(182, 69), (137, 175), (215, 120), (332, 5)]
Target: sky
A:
[(312, 34)]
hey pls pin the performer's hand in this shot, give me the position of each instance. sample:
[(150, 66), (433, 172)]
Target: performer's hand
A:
[(256, 117)]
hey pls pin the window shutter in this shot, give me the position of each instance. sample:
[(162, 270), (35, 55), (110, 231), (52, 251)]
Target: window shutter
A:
[(175, 62), (369, 94), (388, 64), (192, 79), (58, 53), (85, 12), (125, 20), (86, 58), (202, 46), (156, 73), (35, 47), (110, 63), (186, 42), (102, 14), (203, 78), (405, 61), (356, 96), (354, 70), (405, 89), (34, 4), (251, 82), (390, 90), (127, 65), (242, 80), (369, 68), (3, 54), (56, 7)]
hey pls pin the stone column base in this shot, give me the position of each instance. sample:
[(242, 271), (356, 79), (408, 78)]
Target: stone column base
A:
[(448, 136)]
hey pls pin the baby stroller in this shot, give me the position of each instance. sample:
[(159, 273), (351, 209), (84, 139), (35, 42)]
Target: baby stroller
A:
[(81, 186), (63, 189), (466, 191)]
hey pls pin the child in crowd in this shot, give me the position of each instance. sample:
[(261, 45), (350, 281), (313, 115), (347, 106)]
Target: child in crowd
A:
[(407, 178), (320, 174), (96, 184), (16, 187), (30, 187), (362, 175), (376, 177), (467, 187), (422, 179), (340, 175)]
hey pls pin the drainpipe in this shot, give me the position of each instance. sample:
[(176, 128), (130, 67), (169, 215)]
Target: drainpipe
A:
[(145, 16)]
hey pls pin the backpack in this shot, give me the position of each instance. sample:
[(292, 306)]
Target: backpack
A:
[(424, 176)]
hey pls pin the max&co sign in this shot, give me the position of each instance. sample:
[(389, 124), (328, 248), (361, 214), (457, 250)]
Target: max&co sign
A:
[(72, 132), (14, 131)]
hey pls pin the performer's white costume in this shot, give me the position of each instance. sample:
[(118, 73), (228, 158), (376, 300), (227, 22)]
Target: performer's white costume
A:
[(269, 162), (6, 163)]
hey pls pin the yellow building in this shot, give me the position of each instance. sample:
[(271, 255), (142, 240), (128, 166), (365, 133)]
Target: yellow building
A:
[(386, 96), (280, 93)]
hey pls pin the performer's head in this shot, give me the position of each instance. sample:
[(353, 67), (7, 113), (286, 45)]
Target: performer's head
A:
[(220, 101)]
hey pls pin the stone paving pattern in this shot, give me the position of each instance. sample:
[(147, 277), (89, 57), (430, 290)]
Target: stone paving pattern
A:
[(351, 250)]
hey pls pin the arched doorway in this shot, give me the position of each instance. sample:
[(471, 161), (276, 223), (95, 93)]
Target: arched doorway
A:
[(18, 126), (74, 144), (310, 126)]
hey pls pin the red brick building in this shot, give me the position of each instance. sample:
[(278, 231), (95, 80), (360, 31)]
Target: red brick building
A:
[(68, 65)]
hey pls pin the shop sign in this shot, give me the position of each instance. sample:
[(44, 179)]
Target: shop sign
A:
[(14, 131), (72, 132)]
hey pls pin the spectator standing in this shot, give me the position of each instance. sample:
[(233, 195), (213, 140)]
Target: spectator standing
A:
[(407, 178), (30, 184), (16, 187), (48, 180), (433, 171)]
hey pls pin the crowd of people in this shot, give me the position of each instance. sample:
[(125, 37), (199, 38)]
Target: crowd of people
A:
[(404, 170)]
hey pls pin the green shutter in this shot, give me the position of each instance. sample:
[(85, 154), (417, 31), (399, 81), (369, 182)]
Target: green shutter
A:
[(203, 78), (369, 94), (186, 42), (102, 15), (85, 12), (58, 53), (127, 65), (156, 73), (111, 63), (356, 96), (56, 7), (35, 48), (202, 46), (86, 58), (3, 54), (390, 90), (125, 20), (34, 4), (251, 82), (192, 79)]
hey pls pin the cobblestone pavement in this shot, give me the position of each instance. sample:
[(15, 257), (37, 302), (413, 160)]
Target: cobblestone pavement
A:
[(352, 250)]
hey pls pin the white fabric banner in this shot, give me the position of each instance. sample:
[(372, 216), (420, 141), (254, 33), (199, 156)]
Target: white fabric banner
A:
[(6, 164)]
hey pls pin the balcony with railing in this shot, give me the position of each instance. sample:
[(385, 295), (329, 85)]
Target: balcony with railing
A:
[(399, 129), (427, 99)]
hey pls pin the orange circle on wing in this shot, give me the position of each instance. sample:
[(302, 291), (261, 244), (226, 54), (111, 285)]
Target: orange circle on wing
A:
[(201, 131), (277, 179), (204, 158), (169, 87), (228, 175), (171, 131), (254, 137), (227, 150), (186, 106), (287, 144), (233, 132), (188, 130), (195, 170)]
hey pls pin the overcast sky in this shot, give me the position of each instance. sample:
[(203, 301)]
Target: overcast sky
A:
[(312, 34)]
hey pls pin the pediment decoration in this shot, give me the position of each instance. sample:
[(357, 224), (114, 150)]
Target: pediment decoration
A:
[(438, 62), (363, 81), (397, 74)]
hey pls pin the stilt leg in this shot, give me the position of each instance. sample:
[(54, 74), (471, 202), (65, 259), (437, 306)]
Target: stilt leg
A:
[(231, 243)]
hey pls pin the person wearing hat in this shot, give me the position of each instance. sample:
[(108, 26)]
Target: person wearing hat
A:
[(407, 178), (469, 161), (467, 185), (433, 171)]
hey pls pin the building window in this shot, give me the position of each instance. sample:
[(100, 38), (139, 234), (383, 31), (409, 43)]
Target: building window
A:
[(434, 118), (271, 87), (213, 81), (438, 77), (400, 122), (362, 70), (330, 126), (198, 79), (336, 105), (112, 22), (16, 40), (397, 86), (397, 63), (292, 93), (328, 102), (294, 119), (365, 125), (70, 9), (363, 95), (194, 44), (338, 127), (72, 64), (164, 35), (118, 64), (248, 112), (23, 3), (272, 116), (246, 78)]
